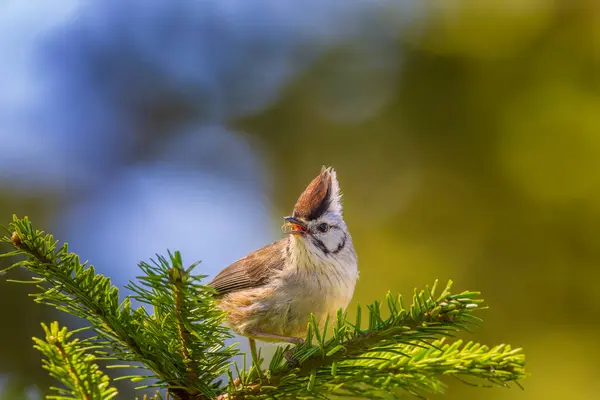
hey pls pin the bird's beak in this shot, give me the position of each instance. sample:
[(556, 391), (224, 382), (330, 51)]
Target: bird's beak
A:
[(294, 226)]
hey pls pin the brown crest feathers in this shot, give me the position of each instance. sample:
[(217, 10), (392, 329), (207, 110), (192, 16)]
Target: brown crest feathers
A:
[(316, 198)]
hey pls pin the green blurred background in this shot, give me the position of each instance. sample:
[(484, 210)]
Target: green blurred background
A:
[(475, 157)]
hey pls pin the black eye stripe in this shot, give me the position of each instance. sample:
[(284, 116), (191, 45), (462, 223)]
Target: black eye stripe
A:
[(331, 226), (341, 245), (318, 243)]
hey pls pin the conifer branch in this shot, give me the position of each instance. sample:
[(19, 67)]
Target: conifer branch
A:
[(176, 276), (127, 334), (68, 361), (402, 349), (393, 348)]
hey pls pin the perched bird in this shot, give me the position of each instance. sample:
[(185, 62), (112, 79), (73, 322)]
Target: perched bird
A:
[(270, 293)]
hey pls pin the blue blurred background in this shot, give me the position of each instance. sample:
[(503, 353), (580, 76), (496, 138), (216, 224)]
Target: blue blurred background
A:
[(466, 136)]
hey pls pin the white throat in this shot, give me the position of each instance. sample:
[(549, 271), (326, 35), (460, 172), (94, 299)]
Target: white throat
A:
[(307, 260)]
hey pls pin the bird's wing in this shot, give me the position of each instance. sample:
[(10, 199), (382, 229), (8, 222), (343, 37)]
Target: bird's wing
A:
[(250, 271)]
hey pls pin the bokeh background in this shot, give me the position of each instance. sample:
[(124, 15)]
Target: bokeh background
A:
[(466, 136)]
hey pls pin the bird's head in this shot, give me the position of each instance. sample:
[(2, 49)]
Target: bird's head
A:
[(317, 217)]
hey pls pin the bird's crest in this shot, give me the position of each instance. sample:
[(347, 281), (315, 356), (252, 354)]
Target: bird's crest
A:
[(320, 196)]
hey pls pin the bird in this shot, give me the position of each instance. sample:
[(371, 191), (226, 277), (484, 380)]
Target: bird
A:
[(269, 294)]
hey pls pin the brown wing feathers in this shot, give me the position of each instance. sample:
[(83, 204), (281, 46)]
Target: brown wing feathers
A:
[(250, 271)]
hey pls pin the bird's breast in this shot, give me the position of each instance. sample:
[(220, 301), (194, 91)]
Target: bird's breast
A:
[(320, 289)]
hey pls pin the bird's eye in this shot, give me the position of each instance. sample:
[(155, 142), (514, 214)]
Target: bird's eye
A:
[(323, 227)]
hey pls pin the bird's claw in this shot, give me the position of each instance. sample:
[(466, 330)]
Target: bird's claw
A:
[(288, 355), (289, 352)]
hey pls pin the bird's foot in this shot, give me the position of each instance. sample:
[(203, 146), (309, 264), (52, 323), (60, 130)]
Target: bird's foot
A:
[(289, 357), (279, 338), (288, 354)]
